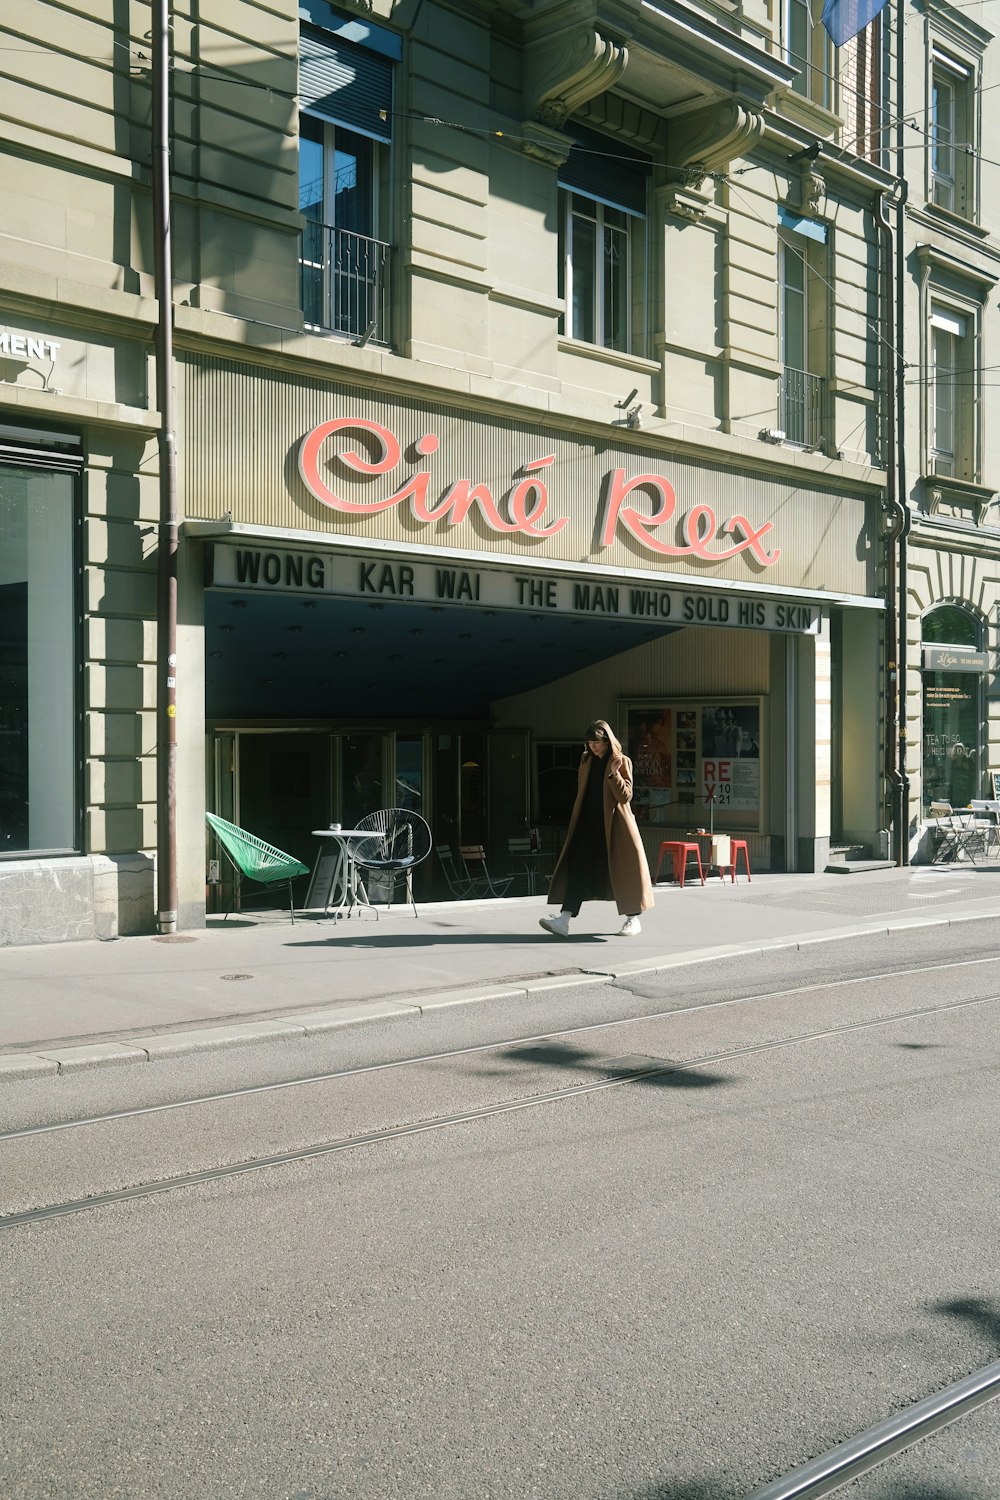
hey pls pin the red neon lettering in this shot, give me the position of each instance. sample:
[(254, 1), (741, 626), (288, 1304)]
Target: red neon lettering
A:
[(700, 526), (752, 539), (524, 515), (309, 451), (634, 521), (528, 499), (458, 500)]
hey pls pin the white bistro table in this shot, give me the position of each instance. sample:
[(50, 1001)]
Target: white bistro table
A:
[(335, 885)]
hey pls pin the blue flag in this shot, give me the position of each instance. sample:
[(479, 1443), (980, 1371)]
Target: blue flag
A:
[(845, 18)]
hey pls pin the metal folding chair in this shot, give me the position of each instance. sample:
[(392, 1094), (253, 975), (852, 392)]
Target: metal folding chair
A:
[(986, 822), (459, 883), (959, 833), (474, 855)]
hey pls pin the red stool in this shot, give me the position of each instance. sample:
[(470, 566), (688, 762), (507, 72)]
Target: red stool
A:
[(735, 848), (679, 851)]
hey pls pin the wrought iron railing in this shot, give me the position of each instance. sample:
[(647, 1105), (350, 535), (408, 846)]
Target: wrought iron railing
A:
[(345, 283), (800, 407)]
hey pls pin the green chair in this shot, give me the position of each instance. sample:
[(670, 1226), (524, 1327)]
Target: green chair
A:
[(252, 859)]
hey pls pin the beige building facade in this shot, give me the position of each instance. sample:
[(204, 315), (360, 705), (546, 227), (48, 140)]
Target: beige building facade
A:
[(527, 370), (950, 466)]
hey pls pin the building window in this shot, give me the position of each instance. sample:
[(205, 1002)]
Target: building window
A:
[(602, 242), (38, 661), (953, 382), (952, 707), (345, 130), (803, 318), (951, 135), (809, 48)]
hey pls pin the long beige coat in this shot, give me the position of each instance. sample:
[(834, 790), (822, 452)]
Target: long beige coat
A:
[(629, 885)]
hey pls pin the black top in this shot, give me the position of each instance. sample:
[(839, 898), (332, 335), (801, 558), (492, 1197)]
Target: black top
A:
[(587, 856)]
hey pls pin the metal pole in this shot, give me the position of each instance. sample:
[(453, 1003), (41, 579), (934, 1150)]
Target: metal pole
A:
[(166, 581), (902, 660)]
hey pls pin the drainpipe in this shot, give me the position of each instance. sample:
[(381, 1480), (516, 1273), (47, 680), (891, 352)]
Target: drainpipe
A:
[(901, 780), (895, 539), (902, 776), (893, 292), (896, 522), (166, 578)]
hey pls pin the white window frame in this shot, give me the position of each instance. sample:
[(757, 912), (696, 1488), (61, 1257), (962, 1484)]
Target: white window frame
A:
[(951, 162), (953, 383), (807, 242), (816, 69), (572, 204)]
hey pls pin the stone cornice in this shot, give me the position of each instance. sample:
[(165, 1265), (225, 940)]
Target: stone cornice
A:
[(934, 258), (833, 161)]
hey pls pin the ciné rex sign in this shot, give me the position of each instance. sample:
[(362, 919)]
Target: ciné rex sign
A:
[(526, 506)]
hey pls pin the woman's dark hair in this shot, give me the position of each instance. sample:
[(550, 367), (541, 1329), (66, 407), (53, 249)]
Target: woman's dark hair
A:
[(595, 732)]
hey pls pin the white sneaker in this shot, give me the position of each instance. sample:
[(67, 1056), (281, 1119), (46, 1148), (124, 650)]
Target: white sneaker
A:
[(558, 926), (631, 927)]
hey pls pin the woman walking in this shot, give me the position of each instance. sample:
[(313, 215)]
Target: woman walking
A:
[(602, 858)]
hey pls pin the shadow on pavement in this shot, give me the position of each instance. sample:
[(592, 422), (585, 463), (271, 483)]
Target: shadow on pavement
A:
[(374, 939), (983, 1314), (599, 1065)]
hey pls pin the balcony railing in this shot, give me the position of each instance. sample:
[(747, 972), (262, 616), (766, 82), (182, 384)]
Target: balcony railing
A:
[(345, 280), (800, 407)]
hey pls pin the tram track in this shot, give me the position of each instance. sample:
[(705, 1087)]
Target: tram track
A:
[(851, 1460), (626, 1073), (531, 1039)]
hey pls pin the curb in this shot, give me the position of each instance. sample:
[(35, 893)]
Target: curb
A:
[(50, 1062)]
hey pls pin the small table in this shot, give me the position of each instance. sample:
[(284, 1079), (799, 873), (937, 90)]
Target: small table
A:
[(336, 873), (533, 860)]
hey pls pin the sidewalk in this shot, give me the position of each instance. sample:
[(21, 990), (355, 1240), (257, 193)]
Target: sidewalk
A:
[(73, 1005)]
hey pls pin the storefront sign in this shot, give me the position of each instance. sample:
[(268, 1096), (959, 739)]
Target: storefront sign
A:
[(26, 346), (273, 570), (525, 507), (955, 659)]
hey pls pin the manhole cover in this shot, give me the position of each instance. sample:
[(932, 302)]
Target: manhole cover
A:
[(237, 976), (174, 937)]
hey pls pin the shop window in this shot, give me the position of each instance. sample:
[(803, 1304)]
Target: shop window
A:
[(345, 129), (952, 707), (803, 315), (809, 48), (602, 243), (951, 135), (696, 762), (953, 390), (38, 665)]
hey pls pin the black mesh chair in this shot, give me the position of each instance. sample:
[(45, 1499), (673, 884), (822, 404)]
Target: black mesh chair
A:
[(399, 840)]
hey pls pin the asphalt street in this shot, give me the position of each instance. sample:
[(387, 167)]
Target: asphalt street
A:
[(674, 1287)]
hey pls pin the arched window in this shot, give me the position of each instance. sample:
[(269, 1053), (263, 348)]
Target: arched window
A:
[(951, 625), (953, 667)]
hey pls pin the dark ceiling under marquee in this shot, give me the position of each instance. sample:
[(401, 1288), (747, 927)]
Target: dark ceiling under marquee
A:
[(281, 656)]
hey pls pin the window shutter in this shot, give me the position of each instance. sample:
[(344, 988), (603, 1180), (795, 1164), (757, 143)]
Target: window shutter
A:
[(949, 322), (603, 169), (811, 229), (349, 85)]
